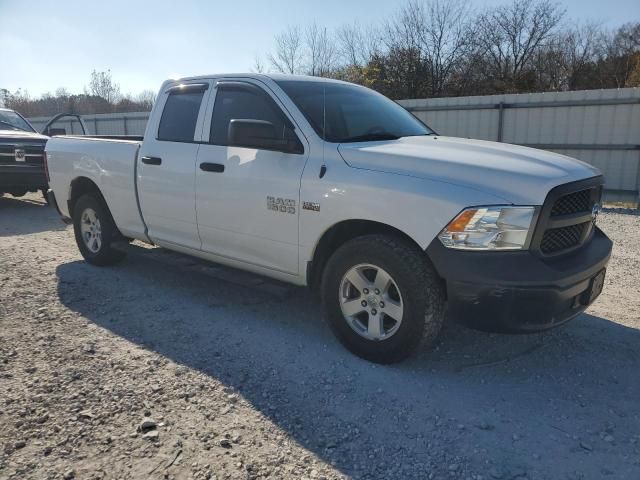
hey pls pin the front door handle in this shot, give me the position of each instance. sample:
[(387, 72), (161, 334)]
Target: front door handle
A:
[(212, 167), (151, 160)]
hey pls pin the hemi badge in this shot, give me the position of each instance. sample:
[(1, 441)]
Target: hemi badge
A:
[(314, 207)]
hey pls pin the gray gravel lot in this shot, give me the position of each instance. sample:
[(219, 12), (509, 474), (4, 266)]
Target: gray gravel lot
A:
[(165, 367)]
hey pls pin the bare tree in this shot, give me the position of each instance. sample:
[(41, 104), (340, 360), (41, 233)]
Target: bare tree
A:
[(406, 66), (258, 66), (357, 46), (445, 35), (102, 85), (579, 44), (620, 56), (62, 92), (511, 35), (566, 62), (321, 51), (403, 30), (287, 57), (443, 47), (145, 100), (20, 101)]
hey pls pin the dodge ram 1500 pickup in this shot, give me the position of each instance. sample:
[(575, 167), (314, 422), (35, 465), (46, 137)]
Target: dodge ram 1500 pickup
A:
[(327, 184)]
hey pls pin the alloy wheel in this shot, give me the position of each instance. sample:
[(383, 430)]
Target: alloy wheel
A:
[(371, 302), (91, 230)]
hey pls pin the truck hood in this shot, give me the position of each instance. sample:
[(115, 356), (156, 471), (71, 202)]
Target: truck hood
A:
[(20, 136), (519, 175)]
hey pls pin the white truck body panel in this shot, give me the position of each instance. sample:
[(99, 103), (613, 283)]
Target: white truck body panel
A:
[(167, 194), (519, 175), (420, 208), (415, 185), (231, 207), (110, 164)]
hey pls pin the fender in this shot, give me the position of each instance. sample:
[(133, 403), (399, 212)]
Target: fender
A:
[(418, 208)]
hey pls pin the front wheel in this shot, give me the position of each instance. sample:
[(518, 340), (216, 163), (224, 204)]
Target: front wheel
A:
[(381, 297), (95, 231)]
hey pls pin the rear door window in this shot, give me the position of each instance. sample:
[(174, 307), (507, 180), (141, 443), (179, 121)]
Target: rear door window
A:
[(179, 117)]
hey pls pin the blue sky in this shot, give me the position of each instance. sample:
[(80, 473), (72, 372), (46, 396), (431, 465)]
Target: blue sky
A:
[(51, 44)]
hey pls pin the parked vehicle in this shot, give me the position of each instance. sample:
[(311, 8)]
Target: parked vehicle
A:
[(22, 153), (328, 184)]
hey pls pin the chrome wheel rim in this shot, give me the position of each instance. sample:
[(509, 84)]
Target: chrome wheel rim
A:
[(91, 230), (371, 302)]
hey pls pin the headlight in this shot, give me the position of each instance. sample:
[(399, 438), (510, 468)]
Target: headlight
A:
[(489, 228)]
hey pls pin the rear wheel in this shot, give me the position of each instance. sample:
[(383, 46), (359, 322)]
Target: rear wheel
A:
[(95, 231), (381, 297)]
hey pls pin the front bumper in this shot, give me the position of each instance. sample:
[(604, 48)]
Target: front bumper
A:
[(22, 177), (518, 292)]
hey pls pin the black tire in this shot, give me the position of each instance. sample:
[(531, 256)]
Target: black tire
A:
[(418, 283), (105, 254)]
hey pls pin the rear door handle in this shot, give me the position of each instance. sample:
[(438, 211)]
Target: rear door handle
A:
[(212, 167), (151, 160)]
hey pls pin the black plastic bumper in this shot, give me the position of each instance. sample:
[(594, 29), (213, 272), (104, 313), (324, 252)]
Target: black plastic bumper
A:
[(518, 292), (51, 198), (22, 177)]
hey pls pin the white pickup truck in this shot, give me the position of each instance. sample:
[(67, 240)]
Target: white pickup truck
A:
[(328, 184)]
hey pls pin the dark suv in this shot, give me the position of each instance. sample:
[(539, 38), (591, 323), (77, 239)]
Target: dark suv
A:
[(22, 166)]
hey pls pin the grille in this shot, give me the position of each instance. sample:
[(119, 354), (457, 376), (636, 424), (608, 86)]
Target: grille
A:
[(566, 221), (573, 203), (563, 238), (34, 154)]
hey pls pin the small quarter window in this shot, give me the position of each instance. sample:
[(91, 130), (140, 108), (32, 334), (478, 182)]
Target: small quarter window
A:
[(179, 117)]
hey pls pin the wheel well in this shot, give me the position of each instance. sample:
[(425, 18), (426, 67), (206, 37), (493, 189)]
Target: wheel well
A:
[(79, 187), (341, 233)]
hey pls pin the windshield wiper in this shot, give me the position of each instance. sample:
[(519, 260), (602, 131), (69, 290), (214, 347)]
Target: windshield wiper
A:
[(371, 137), (14, 126)]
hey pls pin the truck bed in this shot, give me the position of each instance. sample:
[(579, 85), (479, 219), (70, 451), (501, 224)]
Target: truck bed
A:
[(108, 161)]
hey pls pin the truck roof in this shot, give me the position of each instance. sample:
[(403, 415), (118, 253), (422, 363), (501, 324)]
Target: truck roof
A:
[(273, 76)]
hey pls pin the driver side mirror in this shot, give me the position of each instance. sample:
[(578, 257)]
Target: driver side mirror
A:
[(262, 135)]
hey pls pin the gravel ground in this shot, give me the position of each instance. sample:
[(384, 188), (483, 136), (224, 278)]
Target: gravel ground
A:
[(165, 367)]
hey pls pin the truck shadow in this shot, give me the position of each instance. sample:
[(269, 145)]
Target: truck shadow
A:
[(29, 214), (465, 400)]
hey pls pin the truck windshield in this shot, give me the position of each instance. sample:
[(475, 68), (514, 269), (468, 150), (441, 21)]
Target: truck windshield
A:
[(11, 120), (342, 113)]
